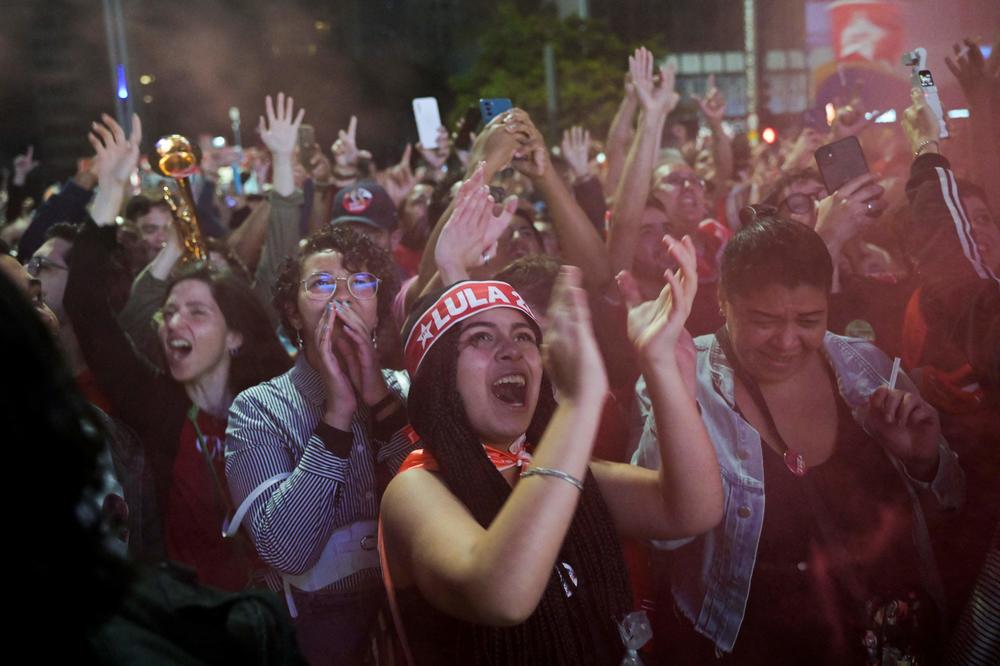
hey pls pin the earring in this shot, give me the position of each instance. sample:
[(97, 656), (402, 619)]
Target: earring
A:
[(375, 340), (234, 351), (298, 339)]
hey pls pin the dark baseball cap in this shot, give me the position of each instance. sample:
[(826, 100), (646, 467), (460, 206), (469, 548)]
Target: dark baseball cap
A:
[(365, 202)]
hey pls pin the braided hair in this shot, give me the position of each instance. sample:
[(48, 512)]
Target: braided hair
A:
[(562, 630)]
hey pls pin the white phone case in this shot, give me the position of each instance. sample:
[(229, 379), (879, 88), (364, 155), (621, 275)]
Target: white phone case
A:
[(425, 112)]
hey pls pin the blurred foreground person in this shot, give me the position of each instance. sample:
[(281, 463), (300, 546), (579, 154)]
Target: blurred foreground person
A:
[(108, 612), (836, 566)]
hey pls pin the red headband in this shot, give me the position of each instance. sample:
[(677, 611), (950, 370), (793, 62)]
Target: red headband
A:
[(461, 301)]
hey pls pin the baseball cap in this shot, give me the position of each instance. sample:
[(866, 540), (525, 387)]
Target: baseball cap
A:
[(366, 202)]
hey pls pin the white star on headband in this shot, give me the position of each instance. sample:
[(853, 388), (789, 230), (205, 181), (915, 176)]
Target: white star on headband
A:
[(425, 335)]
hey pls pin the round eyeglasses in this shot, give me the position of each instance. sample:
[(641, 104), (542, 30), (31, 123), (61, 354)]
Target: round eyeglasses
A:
[(323, 285), (800, 203)]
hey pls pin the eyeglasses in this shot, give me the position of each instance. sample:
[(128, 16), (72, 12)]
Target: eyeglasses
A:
[(38, 262), (680, 180), (799, 203), (323, 285)]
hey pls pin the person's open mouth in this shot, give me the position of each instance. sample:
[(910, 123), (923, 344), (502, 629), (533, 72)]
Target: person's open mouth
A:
[(511, 389)]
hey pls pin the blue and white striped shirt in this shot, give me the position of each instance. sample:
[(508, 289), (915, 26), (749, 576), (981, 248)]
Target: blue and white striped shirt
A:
[(271, 431)]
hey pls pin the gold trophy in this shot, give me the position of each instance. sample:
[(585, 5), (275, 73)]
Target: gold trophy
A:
[(177, 160)]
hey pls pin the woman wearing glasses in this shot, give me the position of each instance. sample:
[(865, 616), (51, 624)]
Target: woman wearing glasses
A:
[(308, 453)]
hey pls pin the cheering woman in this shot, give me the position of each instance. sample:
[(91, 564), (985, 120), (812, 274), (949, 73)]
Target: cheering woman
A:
[(501, 536)]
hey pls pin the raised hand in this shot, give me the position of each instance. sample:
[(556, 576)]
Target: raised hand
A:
[(713, 104), (801, 154), (919, 123), (978, 77), (499, 141), (654, 327), (23, 165), (654, 96), (345, 149), (569, 350), (532, 158), (116, 157), (341, 401), (850, 121), (436, 156), (321, 171), (469, 236), (280, 133), (398, 179), (907, 426), (849, 210), (576, 150)]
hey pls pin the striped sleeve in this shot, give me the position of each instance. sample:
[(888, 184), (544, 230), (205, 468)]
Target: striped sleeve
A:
[(290, 523), (976, 641)]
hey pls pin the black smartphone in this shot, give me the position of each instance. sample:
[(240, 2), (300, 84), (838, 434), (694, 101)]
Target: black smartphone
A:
[(840, 161), (307, 145)]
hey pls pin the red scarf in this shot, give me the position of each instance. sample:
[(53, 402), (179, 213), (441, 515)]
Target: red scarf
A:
[(517, 455)]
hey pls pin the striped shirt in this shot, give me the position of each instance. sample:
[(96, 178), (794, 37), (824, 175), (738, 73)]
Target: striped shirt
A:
[(271, 431)]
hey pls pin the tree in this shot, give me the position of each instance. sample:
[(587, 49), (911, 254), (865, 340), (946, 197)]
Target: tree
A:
[(591, 62)]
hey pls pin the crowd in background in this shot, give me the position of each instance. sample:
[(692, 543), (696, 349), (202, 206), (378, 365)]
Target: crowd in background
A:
[(272, 391)]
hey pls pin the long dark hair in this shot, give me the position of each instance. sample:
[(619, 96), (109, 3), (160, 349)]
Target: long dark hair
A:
[(261, 357), (575, 630)]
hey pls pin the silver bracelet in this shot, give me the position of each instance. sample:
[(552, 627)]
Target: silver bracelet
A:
[(557, 473), (920, 149)]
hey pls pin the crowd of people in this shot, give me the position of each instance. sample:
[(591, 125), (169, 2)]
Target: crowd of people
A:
[(518, 403)]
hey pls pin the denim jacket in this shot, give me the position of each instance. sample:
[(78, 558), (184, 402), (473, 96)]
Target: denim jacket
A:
[(710, 574)]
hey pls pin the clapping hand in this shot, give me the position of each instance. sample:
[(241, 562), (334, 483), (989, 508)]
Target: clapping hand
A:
[(655, 326), (281, 131), (357, 351), (341, 401), (570, 351), (654, 96), (468, 238)]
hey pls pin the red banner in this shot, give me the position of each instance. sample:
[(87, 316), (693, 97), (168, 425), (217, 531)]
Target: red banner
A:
[(869, 30)]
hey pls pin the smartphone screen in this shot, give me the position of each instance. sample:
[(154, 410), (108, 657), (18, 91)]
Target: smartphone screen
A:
[(428, 117), (840, 161), (492, 107)]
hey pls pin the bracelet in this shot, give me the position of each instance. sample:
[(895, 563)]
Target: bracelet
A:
[(557, 473), (920, 148)]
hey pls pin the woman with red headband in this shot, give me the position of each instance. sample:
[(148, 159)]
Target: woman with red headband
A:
[(501, 536)]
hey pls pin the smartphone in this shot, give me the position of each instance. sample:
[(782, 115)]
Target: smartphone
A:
[(920, 77), (307, 145), (428, 117), (840, 161), (490, 108)]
